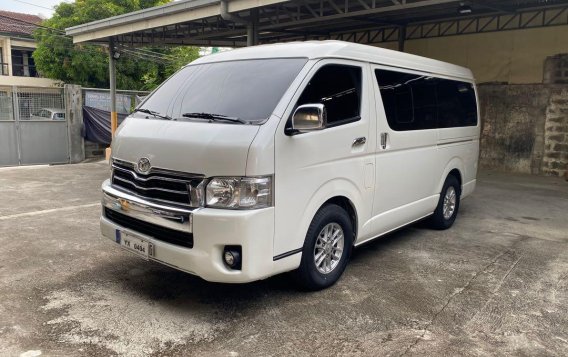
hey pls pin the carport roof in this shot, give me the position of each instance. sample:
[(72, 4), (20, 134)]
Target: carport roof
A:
[(199, 22)]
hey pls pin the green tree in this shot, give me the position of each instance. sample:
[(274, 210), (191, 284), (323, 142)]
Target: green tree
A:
[(177, 57), (58, 58)]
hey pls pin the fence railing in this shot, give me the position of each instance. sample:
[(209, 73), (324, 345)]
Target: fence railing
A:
[(31, 103)]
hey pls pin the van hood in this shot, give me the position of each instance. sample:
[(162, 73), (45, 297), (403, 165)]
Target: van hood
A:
[(210, 149)]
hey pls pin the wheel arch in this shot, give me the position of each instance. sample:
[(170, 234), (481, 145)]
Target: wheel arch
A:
[(457, 174), (454, 167), (349, 207), (341, 192)]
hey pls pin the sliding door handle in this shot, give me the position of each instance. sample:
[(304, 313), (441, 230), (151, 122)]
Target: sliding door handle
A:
[(359, 141), (384, 137)]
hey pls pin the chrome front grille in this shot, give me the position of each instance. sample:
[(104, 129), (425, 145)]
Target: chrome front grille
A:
[(160, 185)]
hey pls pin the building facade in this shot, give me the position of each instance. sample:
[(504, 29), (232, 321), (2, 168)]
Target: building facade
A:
[(17, 45)]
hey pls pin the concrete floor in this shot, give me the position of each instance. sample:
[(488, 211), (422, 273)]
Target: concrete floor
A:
[(496, 283)]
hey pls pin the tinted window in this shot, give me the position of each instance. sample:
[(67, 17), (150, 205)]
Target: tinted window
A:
[(249, 89), (338, 87), (415, 102), (424, 101), (456, 104)]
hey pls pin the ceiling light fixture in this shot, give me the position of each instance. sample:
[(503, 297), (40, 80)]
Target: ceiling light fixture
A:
[(464, 9)]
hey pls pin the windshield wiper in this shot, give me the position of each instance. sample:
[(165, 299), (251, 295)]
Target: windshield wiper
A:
[(214, 117), (151, 112)]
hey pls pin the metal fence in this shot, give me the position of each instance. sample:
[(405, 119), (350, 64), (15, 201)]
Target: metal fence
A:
[(126, 100), (33, 127)]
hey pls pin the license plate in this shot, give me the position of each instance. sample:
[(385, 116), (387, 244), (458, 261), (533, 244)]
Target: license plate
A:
[(136, 245)]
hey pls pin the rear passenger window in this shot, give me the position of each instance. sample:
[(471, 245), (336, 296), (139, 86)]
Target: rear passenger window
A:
[(338, 87), (456, 104), (417, 102)]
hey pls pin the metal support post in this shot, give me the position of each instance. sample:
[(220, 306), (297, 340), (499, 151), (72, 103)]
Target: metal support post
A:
[(112, 77), (112, 85), (401, 37), (252, 29)]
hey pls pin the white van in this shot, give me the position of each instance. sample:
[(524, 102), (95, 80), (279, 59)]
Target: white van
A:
[(276, 158)]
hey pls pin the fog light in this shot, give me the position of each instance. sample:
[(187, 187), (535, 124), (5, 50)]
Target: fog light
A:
[(232, 257), (229, 258)]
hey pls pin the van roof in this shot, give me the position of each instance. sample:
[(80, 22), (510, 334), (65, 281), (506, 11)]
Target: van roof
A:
[(343, 50)]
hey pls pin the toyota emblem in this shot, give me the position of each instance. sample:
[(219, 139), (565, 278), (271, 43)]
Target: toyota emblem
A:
[(143, 166)]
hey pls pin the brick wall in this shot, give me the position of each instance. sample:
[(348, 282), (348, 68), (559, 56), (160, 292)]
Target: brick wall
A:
[(555, 159)]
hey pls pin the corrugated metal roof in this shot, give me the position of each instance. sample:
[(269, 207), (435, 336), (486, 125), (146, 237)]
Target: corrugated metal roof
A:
[(200, 22)]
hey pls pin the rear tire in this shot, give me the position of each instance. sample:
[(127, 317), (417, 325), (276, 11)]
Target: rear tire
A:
[(448, 205), (327, 248)]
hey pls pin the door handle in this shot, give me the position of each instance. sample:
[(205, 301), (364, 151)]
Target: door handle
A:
[(359, 141), (384, 137)]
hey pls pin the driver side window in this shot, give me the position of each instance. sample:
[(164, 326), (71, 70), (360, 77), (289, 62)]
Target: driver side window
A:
[(338, 87)]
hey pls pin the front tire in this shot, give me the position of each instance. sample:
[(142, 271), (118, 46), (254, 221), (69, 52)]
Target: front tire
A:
[(327, 248), (448, 205)]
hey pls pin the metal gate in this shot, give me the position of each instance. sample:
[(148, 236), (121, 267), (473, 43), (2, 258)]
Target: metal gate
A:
[(33, 127)]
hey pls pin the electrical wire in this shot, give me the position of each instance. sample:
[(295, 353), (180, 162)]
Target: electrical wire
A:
[(29, 3), (148, 51), (140, 53)]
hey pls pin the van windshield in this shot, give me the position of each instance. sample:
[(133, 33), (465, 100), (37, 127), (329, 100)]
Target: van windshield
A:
[(247, 90)]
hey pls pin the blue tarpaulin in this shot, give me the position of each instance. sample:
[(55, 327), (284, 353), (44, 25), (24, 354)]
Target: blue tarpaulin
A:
[(97, 125)]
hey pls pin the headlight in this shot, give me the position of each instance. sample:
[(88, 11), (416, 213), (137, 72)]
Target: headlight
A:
[(239, 192)]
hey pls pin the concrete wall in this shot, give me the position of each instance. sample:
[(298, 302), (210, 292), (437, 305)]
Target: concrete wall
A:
[(505, 57), (524, 128), (28, 81)]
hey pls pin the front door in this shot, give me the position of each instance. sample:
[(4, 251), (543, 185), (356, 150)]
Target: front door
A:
[(312, 167)]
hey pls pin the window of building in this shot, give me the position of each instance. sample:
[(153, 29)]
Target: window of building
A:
[(23, 64), (338, 87)]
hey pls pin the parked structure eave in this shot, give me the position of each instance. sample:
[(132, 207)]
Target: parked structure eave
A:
[(160, 16)]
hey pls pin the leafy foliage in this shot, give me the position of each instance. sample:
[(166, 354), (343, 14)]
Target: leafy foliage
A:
[(58, 58)]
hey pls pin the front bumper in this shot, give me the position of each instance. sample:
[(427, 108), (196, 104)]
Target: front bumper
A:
[(212, 230)]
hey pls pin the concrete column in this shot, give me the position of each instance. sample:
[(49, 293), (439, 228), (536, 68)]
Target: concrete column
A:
[(74, 117), (8, 56)]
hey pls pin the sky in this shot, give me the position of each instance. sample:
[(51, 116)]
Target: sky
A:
[(35, 7)]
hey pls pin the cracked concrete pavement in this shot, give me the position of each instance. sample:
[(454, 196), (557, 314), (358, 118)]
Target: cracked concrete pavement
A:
[(496, 283)]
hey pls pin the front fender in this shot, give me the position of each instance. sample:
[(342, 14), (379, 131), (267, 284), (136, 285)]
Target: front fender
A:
[(339, 187)]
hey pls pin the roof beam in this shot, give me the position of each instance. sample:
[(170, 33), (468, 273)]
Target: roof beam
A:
[(371, 11)]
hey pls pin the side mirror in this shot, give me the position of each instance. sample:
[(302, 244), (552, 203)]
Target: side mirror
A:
[(308, 117)]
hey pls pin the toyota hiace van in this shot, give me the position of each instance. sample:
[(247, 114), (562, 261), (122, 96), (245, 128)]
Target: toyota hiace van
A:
[(275, 158)]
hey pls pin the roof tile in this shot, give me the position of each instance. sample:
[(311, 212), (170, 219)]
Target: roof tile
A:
[(18, 23)]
